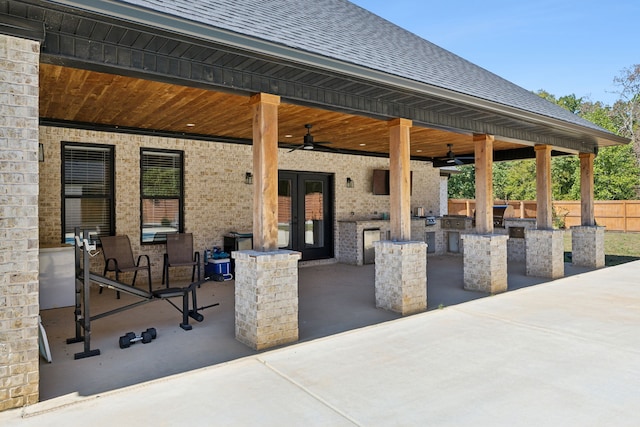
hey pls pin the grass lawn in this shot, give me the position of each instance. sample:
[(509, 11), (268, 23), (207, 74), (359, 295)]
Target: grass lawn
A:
[(619, 247)]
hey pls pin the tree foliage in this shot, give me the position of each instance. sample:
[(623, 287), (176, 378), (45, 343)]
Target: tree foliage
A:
[(616, 170)]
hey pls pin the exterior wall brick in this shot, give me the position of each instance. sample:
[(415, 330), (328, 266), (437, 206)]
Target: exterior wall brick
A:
[(401, 276), (545, 253), (266, 298), (18, 222), (485, 262), (587, 246), (217, 200)]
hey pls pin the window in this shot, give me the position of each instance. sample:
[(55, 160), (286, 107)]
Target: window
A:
[(88, 193), (161, 189)]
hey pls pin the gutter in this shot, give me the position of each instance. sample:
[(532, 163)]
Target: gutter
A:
[(156, 19)]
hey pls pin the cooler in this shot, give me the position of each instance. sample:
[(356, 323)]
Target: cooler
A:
[(218, 269)]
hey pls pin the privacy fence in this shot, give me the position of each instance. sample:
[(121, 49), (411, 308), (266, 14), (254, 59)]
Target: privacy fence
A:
[(615, 215)]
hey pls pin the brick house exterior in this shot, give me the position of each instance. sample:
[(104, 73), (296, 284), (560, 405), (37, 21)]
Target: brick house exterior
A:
[(131, 66)]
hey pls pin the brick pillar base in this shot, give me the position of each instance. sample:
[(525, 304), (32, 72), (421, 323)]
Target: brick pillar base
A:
[(485, 262), (587, 243), (401, 276), (266, 293), (545, 253)]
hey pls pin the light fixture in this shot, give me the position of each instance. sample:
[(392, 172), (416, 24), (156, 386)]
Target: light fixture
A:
[(248, 178), (41, 152), (349, 183)]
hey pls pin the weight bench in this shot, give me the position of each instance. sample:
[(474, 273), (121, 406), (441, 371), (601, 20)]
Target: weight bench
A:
[(84, 278), (155, 295)]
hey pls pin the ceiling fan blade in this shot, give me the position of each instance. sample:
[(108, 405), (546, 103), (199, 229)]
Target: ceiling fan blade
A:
[(296, 148)]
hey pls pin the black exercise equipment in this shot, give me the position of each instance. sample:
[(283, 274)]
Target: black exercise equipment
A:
[(129, 338), (82, 306)]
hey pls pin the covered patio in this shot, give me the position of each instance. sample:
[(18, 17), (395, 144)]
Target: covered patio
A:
[(334, 298), (98, 93)]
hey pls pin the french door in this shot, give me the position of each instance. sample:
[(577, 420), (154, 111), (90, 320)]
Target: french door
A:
[(305, 213)]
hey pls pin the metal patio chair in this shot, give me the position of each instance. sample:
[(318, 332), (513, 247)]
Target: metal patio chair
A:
[(118, 257), (180, 253)]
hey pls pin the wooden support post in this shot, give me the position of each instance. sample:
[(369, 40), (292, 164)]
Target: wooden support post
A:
[(399, 179), (265, 171), (587, 212), (543, 187), (484, 183)]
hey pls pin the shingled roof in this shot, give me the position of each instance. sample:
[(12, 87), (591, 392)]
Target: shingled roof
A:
[(345, 32)]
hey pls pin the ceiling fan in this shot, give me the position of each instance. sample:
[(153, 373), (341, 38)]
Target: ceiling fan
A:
[(308, 143), (452, 159)]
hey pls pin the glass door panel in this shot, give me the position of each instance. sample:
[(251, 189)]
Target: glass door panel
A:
[(285, 217), (313, 214), (305, 219)]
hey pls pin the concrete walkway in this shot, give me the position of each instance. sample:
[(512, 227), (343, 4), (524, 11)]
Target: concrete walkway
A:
[(563, 353)]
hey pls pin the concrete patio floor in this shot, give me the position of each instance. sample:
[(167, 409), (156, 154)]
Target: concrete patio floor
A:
[(333, 298), (563, 353)]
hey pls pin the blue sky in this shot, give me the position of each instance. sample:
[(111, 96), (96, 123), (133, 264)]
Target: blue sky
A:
[(561, 46)]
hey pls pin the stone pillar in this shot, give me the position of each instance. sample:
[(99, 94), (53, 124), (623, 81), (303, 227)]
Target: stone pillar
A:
[(19, 307), (587, 243), (544, 253), (485, 262), (266, 297), (401, 276)]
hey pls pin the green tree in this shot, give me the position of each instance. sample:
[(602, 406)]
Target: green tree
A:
[(462, 185), (565, 173), (627, 110), (501, 172), (616, 174), (521, 180)]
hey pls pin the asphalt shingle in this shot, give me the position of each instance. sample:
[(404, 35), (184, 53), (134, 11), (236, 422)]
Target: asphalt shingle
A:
[(343, 31)]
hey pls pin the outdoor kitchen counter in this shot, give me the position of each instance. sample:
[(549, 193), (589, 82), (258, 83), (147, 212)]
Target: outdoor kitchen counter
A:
[(351, 235)]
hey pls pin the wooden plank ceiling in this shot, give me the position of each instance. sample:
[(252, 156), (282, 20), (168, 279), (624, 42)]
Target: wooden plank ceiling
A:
[(83, 96)]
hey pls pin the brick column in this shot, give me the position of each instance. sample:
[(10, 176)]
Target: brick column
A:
[(587, 246), (19, 308), (544, 253), (401, 276), (266, 294), (485, 262)]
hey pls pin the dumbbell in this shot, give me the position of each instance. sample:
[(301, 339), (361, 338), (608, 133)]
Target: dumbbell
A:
[(130, 338)]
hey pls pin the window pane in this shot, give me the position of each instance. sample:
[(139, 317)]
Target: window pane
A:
[(92, 214), (159, 218), (161, 174), (161, 186), (86, 171), (313, 214), (88, 192), (284, 213)]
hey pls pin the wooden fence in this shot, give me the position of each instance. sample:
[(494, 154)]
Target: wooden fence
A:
[(616, 215)]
